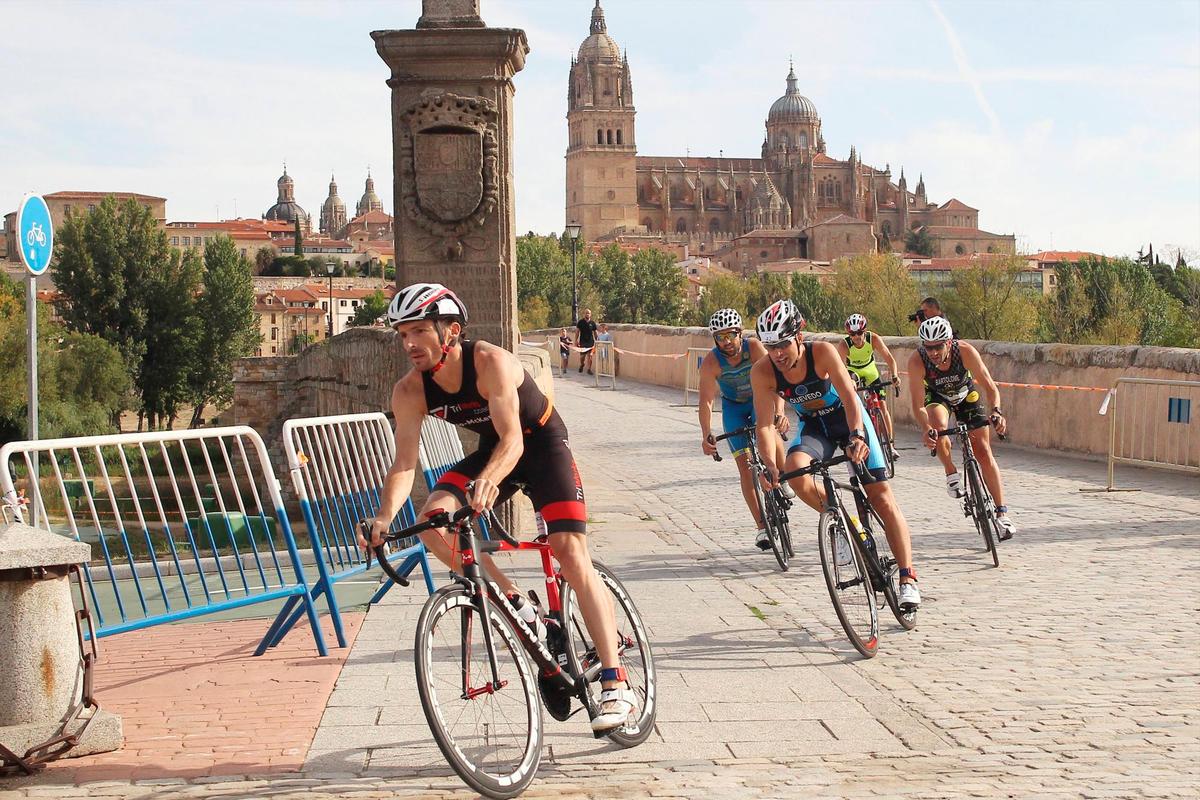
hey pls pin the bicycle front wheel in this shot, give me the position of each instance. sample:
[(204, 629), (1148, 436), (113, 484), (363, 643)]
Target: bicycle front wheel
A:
[(489, 731), (633, 649), (889, 570), (885, 442), (985, 513), (848, 583), (776, 521)]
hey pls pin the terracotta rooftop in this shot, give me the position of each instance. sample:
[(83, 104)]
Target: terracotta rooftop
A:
[(842, 219), (821, 158), (100, 196), (1063, 256), (373, 216), (948, 230), (954, 204)]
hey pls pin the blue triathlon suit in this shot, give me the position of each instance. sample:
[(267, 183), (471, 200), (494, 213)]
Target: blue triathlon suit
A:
[(737, 399), (823, 428)]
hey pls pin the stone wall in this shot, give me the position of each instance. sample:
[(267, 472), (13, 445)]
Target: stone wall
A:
[(1044, 418)]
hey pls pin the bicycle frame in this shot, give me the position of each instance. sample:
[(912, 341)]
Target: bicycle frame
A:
[(484, 593)]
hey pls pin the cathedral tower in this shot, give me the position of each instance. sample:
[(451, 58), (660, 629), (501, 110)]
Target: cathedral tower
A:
[(333, 212), (601, 149), (369, 201)]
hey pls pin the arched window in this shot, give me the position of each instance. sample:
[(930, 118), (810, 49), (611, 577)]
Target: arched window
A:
[(681, 225), (619, 136), (803, 140), (714, 225), (610, 141), (784, 140), (959, 249), (599, 136)]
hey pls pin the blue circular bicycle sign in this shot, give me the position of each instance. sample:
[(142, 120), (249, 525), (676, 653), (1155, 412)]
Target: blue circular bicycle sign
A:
[(35, 234)]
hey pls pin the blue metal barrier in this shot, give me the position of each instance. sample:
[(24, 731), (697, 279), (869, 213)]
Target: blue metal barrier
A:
[(338, 464), (185, 522)]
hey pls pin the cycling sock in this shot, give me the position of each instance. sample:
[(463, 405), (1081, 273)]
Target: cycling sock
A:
[(613, 674), (908, 572), (1001, 509)]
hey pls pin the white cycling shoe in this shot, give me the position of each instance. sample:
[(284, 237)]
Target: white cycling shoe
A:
[(786, 490), (616, 708), (1008, 528), (763, 539), (954, 485), (910, 596)]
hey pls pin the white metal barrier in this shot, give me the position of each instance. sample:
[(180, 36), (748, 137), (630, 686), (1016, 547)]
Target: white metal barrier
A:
[(691, 380), (605, 363), (1154, 423), (182, 523)]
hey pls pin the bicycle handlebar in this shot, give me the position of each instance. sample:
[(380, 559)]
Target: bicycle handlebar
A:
[(815, 467), (974, 424), (747, 431)]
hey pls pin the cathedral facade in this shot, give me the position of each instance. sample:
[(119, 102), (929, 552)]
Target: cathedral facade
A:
[(793, 201)]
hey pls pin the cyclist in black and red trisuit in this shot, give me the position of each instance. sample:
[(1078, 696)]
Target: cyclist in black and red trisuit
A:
[(522, 445)]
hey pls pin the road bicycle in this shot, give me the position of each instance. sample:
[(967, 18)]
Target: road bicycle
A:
[(862, 568), (977, 500), (772, 505), (874, 405), (482, 700)]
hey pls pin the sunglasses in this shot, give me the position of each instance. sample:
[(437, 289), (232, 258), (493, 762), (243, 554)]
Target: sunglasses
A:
[(777, 345), (936, 345), (726, 336)]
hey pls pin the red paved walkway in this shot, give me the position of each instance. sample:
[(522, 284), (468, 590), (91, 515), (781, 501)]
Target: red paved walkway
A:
[(195, 700)]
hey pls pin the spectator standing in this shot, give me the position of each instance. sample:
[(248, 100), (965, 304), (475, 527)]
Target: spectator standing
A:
[(564, 350), (585, 339)]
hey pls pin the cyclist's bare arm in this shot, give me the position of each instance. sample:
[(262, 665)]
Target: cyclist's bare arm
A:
[(408, 408), (843, 351), (709, 369), (757, 353), (974, 362), (498, 374), (878, 344), (916, 390), (762, 382)]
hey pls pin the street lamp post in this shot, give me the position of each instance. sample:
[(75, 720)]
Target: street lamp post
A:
[(573, 232), (330, 266)]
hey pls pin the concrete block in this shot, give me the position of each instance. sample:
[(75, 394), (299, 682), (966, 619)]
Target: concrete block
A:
[(104, 734), (23, 546)]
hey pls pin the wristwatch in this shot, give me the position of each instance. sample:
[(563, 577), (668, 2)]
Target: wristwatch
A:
[(860, 435), (996, 410)]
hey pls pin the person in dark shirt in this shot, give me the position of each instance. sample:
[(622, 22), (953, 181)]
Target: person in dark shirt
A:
[(564, 350), (585, 339)]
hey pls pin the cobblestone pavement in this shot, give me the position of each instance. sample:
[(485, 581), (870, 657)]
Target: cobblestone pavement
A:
[(1070, 671)]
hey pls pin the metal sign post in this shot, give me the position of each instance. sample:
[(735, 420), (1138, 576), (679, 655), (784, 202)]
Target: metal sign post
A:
[(35, 240)]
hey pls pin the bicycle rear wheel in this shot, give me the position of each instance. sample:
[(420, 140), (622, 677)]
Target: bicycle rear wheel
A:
[(888, 569), (633, 647), (984, 512), (490, 735), (849, 585)]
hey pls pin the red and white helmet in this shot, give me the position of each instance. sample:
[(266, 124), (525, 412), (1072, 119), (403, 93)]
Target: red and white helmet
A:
[(856, 323), (781, 321), (425, 301)]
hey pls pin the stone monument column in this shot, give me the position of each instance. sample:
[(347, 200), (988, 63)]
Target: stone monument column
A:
[(452, 90)]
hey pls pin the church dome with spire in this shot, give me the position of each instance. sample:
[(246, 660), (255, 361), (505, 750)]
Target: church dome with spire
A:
[(369, 201), (793, 106), (599, 46), (333, 212), (286, 209)]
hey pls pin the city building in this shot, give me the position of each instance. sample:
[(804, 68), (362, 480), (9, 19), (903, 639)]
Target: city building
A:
[(286, 209), (795, 201), (291, 319), (64, 204)]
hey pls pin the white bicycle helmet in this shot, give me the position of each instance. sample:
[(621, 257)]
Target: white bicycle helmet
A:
[(935, 329), (425, 301), (724, 319), (856, 323), (781, 321)]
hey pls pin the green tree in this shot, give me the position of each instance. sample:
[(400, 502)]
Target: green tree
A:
[(658, 288), (263, 258), (918, 242), (764, 290), (879, 286), (544, 271), (299, 342), (229, 328), (988, 302), (171, 335), (724, 291), (817, 305), (534, 314), (373, 306)]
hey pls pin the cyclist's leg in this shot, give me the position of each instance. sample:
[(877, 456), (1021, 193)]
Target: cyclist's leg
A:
[(887, 417), (733, 417), (939, 418), (982, 445), (450, 495), (808, 446)]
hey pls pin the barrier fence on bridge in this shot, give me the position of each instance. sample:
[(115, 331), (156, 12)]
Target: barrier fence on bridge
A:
[(337, 464), (1154, 423), (691, 382), (605, 363), (181, 523)]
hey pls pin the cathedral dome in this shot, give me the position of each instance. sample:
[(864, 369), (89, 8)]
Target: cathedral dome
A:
[(793, 106), (599, 46), (286, 209)]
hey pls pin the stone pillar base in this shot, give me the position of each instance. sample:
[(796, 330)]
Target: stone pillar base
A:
[(105, 733)]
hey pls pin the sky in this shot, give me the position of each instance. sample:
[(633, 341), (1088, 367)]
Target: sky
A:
[(1073, 125)]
